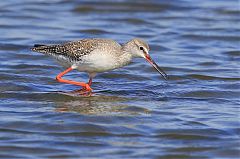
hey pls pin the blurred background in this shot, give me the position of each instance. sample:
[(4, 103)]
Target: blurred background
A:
[(134, 112)]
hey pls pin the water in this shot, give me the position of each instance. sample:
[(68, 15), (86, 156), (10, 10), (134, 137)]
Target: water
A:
[(135, 112)]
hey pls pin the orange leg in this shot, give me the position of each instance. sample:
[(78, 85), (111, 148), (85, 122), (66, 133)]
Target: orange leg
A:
[(86, 86)]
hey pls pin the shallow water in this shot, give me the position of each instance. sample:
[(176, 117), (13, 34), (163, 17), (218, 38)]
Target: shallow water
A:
[(134, 112)]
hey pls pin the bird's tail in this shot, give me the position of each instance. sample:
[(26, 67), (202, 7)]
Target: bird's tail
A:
[(48, 49), (38, 45), (41, 48)]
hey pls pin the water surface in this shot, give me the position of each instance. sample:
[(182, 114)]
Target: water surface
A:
[(134, 112)]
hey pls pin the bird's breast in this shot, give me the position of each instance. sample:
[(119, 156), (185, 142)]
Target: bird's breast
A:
[(98, 62)]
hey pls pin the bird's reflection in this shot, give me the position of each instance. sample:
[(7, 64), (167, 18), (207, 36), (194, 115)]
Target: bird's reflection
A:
[(98, 105)]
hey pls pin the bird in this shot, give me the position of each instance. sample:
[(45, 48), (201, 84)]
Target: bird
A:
[(95, 55)]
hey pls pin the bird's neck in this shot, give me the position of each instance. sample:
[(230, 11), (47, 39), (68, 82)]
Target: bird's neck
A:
[(126, 57)]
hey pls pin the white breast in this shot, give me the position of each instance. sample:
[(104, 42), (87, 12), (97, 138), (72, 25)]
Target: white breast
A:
[(97, 62)]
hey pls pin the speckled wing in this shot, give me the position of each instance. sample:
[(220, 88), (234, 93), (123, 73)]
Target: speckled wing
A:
[(72, 50)]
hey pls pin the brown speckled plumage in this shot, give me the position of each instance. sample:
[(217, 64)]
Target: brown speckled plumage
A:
[(73, 50)]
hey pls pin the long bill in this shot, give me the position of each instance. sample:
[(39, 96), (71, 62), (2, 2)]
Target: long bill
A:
[(149, 59)]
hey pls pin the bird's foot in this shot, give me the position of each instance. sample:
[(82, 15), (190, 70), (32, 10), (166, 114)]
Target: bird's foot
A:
[(85, 91)]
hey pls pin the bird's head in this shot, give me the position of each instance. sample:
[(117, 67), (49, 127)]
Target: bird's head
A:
[(139, 48)]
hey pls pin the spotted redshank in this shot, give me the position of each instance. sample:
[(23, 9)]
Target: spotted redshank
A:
[(95, 56)]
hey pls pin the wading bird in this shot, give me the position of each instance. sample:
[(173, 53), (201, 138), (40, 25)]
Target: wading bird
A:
[(94, 56)]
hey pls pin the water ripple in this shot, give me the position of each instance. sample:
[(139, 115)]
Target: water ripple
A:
[(134, 112)]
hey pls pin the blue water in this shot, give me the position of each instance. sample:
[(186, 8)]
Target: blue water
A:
[(134, 112)]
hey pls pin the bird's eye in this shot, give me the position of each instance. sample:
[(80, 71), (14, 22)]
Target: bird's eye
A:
[(141, 48)]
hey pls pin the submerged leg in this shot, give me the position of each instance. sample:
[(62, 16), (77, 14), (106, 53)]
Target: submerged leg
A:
[(83, 90), (90, 81), (86, 86)]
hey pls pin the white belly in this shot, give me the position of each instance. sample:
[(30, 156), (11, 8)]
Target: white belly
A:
[(97, 62)]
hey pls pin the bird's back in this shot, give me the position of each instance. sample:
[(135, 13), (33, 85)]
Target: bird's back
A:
[(75, 50)]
